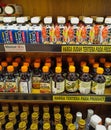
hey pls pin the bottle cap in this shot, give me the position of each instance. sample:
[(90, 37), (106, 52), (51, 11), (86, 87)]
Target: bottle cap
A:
[(46, 115), (88, 20), (96, 65), (59, 127), (9, 126), (58, 69), (48, 64), (107, 64), (12, 115), (61, 20), (107, 20), (22, 125), (83, 63), (82, 123), (33, 126), (35, 20), (74, 20), (24, 68), (69, 116), (100, 70), (23, 115), (99, 19), (100, 127), (10, 68), (71, 127), (107, 121), (26, 64), (45, 69), (18, 59), (102, 60), (7, 19), (48, 59), (90, 112), (59, 64), (109, 127), (71, 68), (15, 64), (2, 115), (35, 115), (36, 64), (28, 59), (79, 114), (85, 69), (46, 126), (4, 64), (20, 20), (69, 59), (57, 116), (48, 20), (9, 9), (0, 68)]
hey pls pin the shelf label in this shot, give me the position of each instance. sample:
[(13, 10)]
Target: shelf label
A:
[(94, 99), (14, 48), (86, 49)]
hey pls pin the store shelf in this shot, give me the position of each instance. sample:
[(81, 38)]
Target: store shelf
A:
[(104, 49)]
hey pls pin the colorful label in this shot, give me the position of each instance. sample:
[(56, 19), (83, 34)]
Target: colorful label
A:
[(48, 34), (58, 87), (96, 33), (11, 87), (108, 80), (84, 87), (61, 34), (71, 86), (45, 87), (2, 87), (36, 82), (98, 88)]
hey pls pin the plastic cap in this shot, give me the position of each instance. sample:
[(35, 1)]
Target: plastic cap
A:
[(48, 20), (100, 127), (46, 126), (10, 68), (79, 114), (23, 115), (102, 60), (74, 20), (12, 115), (107, 121), (82, 122), (99, 19), (83, 63), (28, 59), (18, 59), (0, 68), (100, 70), (45, 69), (107, 64), (90, 112), (9, 9), (88, 20), (9, 125), (61, 20), (108, 20), (71, 127), (26, 64), (22, 124), (20, 20), (48, 59), (35, 20), (96, 65), (2, 115), (57, 116), (7, 19), (34, 115), (85, 69), (24, 68), (4, 64), (48, 64), (15, 64), (33, 126), (71, 68), (69, 116), (58, 69), (36, 64), (59, 127)]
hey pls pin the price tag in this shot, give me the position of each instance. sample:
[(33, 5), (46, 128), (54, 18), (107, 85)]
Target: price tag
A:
[(90, 99), (14, 48), (86, 49)]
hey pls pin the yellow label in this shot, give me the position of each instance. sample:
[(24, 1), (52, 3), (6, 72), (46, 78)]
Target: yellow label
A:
[(95, 99), (86, 49)]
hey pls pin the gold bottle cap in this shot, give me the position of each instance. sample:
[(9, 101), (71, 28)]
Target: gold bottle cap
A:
[(35, 115), (2, 115), (71, 127), (23, 115), (46, 126), (69, 116), (22, 125), (12, 115), (59, 127), (9, 126), (33, 126), (81, 123), (57, 116), (46, 115)]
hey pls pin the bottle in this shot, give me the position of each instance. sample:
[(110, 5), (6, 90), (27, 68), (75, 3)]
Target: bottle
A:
[(95, 66), (100, 127), (71, 80), (82, 124), (35, 31), (34, 126), (11, 83), (23, 117), (59, 127), (4, 65), (46, 117), (73, 31), (36, 108), (25, 81), (16, 69), (71, 127), (2, 119), (98, 83), (58, 81), (9, 126), (107, 122), (107, 74), (57, 118), (69, 119), (35, 117), (22, 125), (78, 117), (45, 83), (46, 126), (12, 118), (90, 112), (102, 61), (85, 81), (2, 80)]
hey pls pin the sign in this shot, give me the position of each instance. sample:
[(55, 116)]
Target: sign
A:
[(14, 48), (90, 99), (86, 49)]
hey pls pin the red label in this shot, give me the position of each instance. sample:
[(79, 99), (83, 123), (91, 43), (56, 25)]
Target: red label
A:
[(105, 32), (44, 34), (23, 37), (96, 29), (10, 36), (37, 36), (71, 33), (84, 33)]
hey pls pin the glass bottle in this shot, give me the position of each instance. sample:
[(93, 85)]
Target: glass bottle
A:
[(78, 117)]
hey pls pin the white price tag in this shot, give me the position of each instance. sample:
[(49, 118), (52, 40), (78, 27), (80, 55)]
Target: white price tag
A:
[(14, 48)]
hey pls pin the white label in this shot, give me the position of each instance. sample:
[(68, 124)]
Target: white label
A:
[(98, 88), (45, 87), (84, 87), (58, 87), (14, 48), (11, 86), (71, 86), (36, 82), (108, 80)]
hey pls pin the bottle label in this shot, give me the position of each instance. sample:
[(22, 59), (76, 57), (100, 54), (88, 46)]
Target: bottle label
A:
[(84, 87), (108, 80), (36, 82), (71, 86), (45, 87), (2, 87), (98, 88), (11, 86), (58, 87)]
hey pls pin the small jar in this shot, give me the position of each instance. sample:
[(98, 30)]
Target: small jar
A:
[(46, 126), (9, 126), (69, 118), (46, 117), (34, 126), (71, 127), (12, 117), (59, 127), (22, 125), (23, 116), (57, 118), (35, 117), (82, 124), (2, 118)]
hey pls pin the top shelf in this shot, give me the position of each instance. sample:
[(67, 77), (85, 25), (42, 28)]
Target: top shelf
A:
[(104, 49)]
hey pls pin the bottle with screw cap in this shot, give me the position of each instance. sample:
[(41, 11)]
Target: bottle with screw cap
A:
[(23, 116), (78, 117), (2, 80)]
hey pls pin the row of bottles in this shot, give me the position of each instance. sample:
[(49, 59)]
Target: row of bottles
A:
[(54, 76), (62, 117), (83, 30)]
